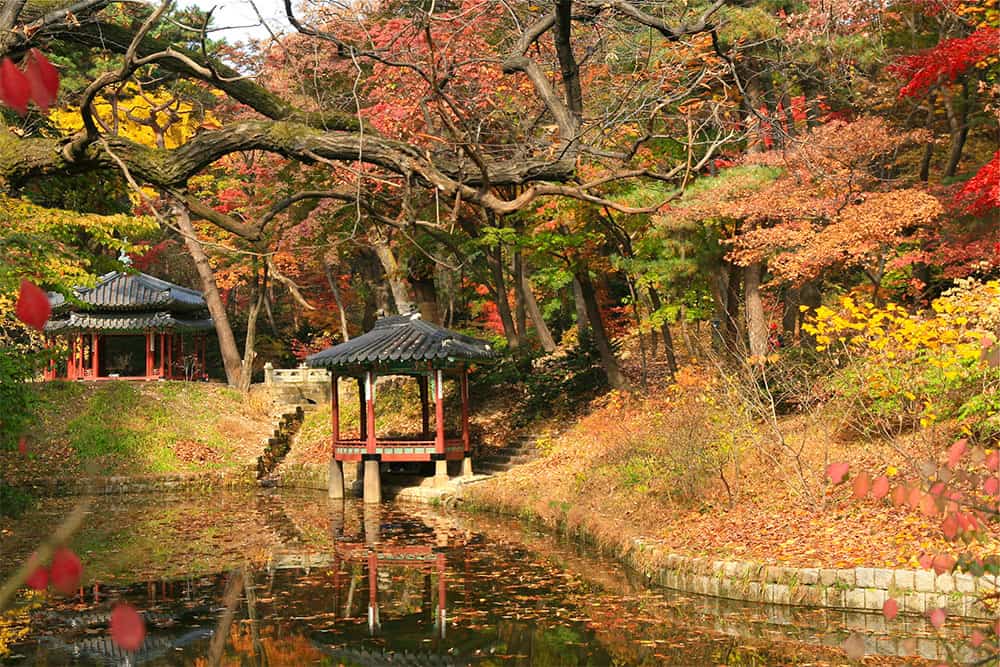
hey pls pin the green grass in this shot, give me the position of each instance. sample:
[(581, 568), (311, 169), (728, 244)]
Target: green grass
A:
[(129, 427)]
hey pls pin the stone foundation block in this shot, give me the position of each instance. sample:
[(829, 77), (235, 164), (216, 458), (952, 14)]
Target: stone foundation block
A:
[(964, 582), (864, 577), (904, 580), (944, 583), (924, 581), (854, 598), (883, 578), (875, 598), (809, 576)]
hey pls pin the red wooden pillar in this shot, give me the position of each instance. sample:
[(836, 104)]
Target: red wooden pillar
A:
[(163, 352), (335, 411), (150, 346), (370, 410), (465, 410), (362, 411), (93, 356), (373, 621), (425, 408), (71, 360), (439, 411), (442, 592)]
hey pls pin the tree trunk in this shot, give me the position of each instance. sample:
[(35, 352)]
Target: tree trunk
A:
[(731, 310), (535, 313), (790, 311), (495, 260), (812, 298), (668, 340), (582, 322), (756, 322), (520, 308), (335, 290), (958, 124), (588, 294), (393, 275), (249, 353), (223, 330)]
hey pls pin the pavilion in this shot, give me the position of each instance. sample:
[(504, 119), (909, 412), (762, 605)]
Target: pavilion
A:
[(130, 326), (401, 345)]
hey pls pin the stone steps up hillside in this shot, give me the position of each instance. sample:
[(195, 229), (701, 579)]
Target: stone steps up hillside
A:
[(520, 449), (286, 425)]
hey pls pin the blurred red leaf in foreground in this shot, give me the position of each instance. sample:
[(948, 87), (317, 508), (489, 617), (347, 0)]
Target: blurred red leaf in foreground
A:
[(128, 629), (33, 306)]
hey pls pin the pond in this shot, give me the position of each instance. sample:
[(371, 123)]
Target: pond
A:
[(314, 581)]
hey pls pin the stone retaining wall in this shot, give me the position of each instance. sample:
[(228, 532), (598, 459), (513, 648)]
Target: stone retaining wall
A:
[(859, 589), (245, 476), (854, 589)]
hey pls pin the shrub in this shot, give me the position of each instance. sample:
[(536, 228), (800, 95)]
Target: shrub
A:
[(903, 369)]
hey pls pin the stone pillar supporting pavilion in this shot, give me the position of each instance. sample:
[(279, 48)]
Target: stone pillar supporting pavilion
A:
[(401, 345)]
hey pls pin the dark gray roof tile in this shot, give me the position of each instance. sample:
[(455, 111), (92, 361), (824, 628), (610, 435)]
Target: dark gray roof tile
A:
[(403, 338)]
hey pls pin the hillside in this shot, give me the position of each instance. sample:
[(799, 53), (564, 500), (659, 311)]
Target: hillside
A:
[(113, 428)]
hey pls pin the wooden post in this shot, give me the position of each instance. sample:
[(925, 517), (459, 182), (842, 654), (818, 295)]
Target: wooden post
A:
[(442, 592), (150, 346), (373, 622), (335, 408), (362, 411), (335, 488), (93, 355), (163, 352), (466, 440), (372, 489), (440, 460), (370, 410), (71, 360), (425, 408)]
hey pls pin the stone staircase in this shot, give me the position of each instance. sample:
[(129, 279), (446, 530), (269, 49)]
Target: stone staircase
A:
[(521, 449), (286, 425)]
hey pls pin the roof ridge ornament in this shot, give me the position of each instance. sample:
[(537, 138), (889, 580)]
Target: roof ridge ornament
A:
[(123, 256)]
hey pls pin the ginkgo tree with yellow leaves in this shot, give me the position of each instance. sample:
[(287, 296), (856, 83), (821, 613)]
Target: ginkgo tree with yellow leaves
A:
[(156, 117)]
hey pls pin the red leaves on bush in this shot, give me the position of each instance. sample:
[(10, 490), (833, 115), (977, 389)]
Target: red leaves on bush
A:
[(890, 609), (15, 90), (950, 527), (837, 471), (942, 564), (880, 487), (39, 579), (926, 561), (43, 79), (39, 82), (862, 484), (946, 61), (936, 617), (956, 452), (33, 306), (128, 629), (991, 486), (65, 571), (898, 496), (993, 460)]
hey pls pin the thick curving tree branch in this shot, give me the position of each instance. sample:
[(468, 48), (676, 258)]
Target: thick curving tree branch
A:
[(194, 65)]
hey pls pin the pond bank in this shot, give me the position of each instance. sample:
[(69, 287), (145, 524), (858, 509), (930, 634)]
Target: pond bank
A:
[(857, 589)]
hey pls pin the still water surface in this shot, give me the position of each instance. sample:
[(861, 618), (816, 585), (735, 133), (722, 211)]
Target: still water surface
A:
[(320, 582)]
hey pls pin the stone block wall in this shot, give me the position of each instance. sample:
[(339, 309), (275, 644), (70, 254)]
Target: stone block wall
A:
[(852, 589)]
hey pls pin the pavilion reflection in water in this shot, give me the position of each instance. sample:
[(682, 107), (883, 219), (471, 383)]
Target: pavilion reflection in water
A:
[(382, 560)]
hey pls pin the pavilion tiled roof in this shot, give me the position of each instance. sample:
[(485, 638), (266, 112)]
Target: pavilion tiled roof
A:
[(403, 339), (125, 323), (124, 292)]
